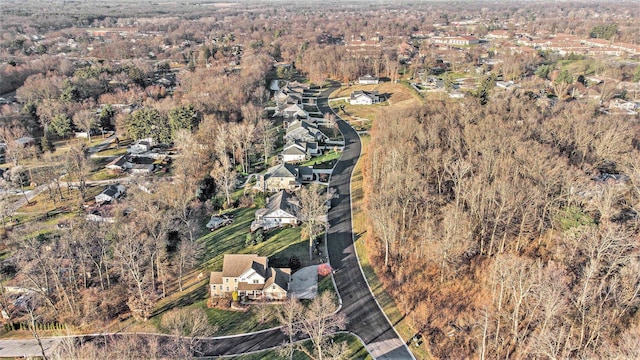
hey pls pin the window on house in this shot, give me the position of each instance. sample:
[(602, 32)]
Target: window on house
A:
[(255, 281), (227, 288), (213, 287), (226, 280), (235, 280)]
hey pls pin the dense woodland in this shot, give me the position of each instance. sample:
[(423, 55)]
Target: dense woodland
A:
[(505, 224), (503, 232)]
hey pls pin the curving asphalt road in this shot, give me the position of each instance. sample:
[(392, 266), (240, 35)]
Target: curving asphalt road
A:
[(364, 315), (365, 318)]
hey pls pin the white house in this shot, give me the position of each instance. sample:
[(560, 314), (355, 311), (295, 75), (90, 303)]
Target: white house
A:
[(294, 152), (110, 193), (281, 209), (294, 111), (139, 147), (364, 97), (368, 80)]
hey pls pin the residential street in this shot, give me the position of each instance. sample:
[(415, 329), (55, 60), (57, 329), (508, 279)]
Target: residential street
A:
[(364, 316)]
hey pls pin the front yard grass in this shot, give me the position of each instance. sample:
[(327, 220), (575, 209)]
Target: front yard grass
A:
[(329, 158), (104, 174), (231, 322), (114, 151)]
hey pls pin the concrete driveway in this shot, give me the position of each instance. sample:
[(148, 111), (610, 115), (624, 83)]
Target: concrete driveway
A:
[(27, 348), (304, 283)]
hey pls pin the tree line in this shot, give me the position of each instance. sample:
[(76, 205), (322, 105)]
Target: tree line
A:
[(509, 229)]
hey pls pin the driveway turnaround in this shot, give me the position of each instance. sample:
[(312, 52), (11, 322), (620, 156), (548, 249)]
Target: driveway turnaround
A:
[(304, 283), (26, 348)]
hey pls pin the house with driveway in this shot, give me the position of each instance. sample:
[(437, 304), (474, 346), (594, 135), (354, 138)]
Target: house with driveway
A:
[(368, 80), (280, 177), (133, 164), (294, 111), (284, 176), (251, 277), (282, 208), (364, 98), (110, 193), (298, 151), (304, 131)]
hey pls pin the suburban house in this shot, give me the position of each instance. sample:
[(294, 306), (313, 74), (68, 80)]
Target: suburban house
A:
[(141, 169), (304, 131), (284, 98), (281, 209), (135, 165), (139, 147), (252, 278), (364, 97), (297, 151), (295, 86), (294, 111), (118, 164), (280, 177), (294, 152), (110, 193), (368, 80)]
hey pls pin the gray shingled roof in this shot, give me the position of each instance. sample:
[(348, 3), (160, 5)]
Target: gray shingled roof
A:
[(279, 276), (281, 200), (282, 170)]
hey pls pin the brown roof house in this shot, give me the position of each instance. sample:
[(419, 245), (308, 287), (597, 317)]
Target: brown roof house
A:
[(251, 276)]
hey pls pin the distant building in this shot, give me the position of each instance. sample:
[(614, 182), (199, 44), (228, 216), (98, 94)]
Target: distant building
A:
[(110, 193), (368, 80), (455, 40)]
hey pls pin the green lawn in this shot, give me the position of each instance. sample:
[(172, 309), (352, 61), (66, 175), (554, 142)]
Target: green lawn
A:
[(278, 245), (329, 159), (114, 151), (104, 174), (238, 322)]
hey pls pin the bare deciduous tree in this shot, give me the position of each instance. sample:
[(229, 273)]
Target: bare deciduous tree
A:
[(313, 211)]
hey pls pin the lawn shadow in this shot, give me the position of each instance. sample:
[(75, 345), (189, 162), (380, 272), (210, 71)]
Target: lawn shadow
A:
[(299, 249), (199, 293)]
